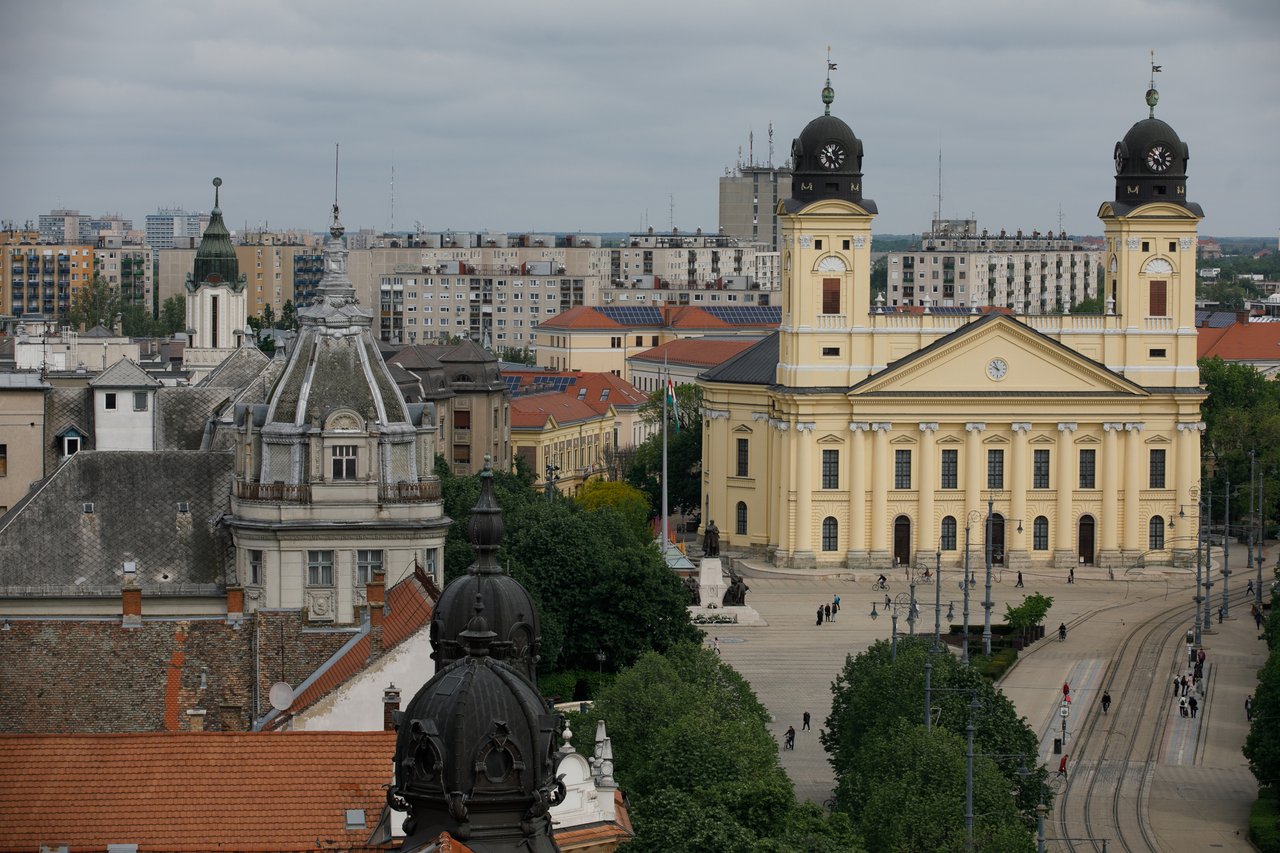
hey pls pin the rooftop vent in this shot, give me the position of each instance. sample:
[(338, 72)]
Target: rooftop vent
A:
[(355, 819), (88, 507), (183, 506)]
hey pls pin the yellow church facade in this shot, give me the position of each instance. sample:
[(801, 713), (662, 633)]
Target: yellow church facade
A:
[(868, 438)]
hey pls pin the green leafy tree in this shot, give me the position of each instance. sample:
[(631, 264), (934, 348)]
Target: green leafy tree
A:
[(684, 451), (137, 322), (97, 302), (1241, 414), (909, 794), (1262, 746), (1092, 305), (517, 355), (173, 314), (626, 500), (874, 692), (1030, 613), (288, 316), (692, 750)]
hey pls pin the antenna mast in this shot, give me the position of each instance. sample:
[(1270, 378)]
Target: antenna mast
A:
[(770, 145), (751, 148), (938, 217), (393, 198), (671, 211)]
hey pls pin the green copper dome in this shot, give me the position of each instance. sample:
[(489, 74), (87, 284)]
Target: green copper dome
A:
[(216, 263)]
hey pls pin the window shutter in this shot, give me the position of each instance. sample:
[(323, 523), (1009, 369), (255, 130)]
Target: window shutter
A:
[(1159, 299)]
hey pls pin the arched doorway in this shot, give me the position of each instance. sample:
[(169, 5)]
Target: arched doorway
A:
[(997, 539), (902, 541), (1084, 540)]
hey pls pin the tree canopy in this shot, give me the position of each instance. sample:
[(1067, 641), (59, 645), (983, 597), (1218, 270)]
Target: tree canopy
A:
[(597, 579), (1262, 746), (1242, 413), (684, 452), (96, 302), (693, 753)]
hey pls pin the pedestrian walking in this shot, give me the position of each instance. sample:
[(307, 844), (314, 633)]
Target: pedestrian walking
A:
[(1019, 583), (1193, 705), (1200, 656), (1062, 632), (1257, 618), (1071, 575), (826, 612), (1186, 684), (1219, 615), (1248, 708), (835, 604), (805, 727), (1177, 685), (819, 614), (789, 739), (1182, 707), (1106, 701), (1062, 765), (1248, 590), (715, 645)]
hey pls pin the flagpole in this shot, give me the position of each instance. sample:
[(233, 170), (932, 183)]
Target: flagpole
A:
[(665, 386)]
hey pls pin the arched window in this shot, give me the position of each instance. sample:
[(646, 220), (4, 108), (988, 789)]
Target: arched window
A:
[(741, 527), (1040, 534), (948, 533), (1155, 533), (830, 534)]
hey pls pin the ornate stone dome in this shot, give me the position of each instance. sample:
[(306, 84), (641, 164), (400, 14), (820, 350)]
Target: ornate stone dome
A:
[(1151, 162), (216, 263), (826, 158), (508, 606)]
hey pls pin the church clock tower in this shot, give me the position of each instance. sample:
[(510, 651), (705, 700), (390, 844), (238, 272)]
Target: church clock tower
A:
[(1150, 231), (826, 257)]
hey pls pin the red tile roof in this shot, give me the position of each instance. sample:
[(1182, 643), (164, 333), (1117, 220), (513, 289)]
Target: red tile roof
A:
[(1240, 342), (533, 411), (622, 394), (224, 791), (580, 317), (696, 351), (408, 609)]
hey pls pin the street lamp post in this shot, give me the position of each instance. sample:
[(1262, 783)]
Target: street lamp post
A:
[(1202, 596), (600, 656), (986, 601), (973, 516), (552, 471), (937, 641), (1226, 550)]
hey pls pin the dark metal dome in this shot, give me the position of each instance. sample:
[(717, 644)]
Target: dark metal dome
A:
[(216, 262), (475, 753), (1151, 162), (827, 159), (508, 606)]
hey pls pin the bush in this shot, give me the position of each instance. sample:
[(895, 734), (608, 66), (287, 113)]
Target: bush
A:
[(994, 667), (1264, 821)]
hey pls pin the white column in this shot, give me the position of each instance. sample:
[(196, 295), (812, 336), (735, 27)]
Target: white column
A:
[(857, 479), (1063, 535), (1133, 485), (781, 483), (804, 492), (881, 483), (926, 534)]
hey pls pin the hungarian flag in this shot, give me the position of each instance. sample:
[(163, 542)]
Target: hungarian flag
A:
[(671, 401)]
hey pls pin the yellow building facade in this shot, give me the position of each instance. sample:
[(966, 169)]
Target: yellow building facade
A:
[(868, 438)]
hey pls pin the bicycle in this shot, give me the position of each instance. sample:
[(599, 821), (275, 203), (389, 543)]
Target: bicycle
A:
[(880, 585)]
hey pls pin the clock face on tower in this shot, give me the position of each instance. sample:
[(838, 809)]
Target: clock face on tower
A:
[(1120, 158), (1159, 158), (997, 368), (831, 155)]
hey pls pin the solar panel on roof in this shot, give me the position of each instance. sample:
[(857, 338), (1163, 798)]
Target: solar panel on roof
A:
[(632, 315), (752, 315)]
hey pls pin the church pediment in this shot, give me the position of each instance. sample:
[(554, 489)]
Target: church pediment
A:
[(831, 439), (997, 356)]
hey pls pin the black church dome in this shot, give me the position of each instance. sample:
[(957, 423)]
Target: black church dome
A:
[(826, 160), (1151, 162), (215, 261)]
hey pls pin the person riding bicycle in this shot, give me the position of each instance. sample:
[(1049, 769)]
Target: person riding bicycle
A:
[(1062, 631), (882, 582)]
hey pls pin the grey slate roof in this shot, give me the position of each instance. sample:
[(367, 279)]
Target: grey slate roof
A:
[(66, 407), (237, 369), (755, 365), (124, 374), (49, 545), (183, 413)]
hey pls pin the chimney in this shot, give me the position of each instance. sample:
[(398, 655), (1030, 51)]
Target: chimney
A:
[(131, 595), (230, 718), (390, 708), (1242, 317), (375, 595), (235, 604), (195, 719)]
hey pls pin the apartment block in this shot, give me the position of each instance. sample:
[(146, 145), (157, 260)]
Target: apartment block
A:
[(175, 229), (40, 279), (958, 266), (749, 197)]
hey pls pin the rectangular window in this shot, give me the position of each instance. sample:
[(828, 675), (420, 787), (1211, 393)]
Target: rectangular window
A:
[(1088, 467), (139, 401), (831, 296), (995, 469), (950, 469), (1157, 469), (902, 469), (830, 469), (1159, 299), (109, 401), (831, 351), (1040, 469), (462, 419), (1156, 353), (320, 568), (743, 457), (344, 462), (4, 460), (367, 562), (255, 568)]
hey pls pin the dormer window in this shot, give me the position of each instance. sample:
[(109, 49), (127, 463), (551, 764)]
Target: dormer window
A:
[(344, 462)]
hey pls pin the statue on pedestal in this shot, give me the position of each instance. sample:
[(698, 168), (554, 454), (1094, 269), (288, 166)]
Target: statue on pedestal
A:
[(711, 540), (691, 587), (736, 594)]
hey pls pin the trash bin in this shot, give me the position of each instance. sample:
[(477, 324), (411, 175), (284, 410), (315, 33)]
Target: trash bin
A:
[(1057, 746)]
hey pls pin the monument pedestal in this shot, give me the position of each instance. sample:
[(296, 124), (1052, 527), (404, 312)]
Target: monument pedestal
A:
[(711, 584)]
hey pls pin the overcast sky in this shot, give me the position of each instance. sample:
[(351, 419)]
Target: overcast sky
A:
[(599, 116)]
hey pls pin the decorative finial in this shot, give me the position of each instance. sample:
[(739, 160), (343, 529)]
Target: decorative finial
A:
[(217, 183), (1153, 97), (477, 637), (335, 228), (828, 94)]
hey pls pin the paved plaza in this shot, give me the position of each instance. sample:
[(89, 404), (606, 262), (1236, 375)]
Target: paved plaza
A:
[(1202, 788)]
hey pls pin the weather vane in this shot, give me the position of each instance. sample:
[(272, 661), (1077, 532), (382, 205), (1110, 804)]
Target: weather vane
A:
[(1153, 97), (828, 94)]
